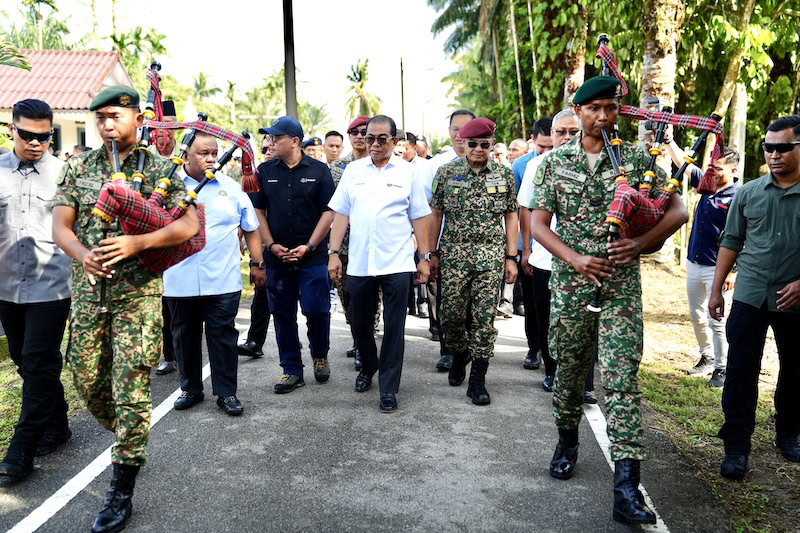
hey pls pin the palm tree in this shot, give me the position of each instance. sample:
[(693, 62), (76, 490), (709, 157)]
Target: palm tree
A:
[(313, 118), (230, 94), (11, 57), (201, 88), (361, 102), (36, 9)]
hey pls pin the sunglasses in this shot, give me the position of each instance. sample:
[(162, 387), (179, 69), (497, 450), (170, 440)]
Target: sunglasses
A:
[(474, 144), (571, 132), (383, 139), (355, 133), (781, 148), (28, 136)]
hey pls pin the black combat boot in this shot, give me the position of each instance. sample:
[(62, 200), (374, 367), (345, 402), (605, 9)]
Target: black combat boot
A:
[(477, 382), (458, 371), (629, 506), (117, 507), (566, 455)]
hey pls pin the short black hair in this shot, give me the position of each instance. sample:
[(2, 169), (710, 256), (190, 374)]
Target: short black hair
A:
[(542, 127), (784, 123), (460, 112), (334, 133), (730, 155), (32, 109), (384, 119), (410, 137)]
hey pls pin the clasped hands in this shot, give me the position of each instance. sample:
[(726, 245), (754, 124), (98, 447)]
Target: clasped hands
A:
[(620, 252), (98, 261), (289, 256)]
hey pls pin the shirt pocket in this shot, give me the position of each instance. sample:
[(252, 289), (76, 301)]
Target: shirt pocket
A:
[(757, 224), (42, 213), (86, 202), (569, 198), (6, 208)]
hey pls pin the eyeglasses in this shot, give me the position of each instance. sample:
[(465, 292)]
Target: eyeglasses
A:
[(571, 132), (782, 148), (265, 149), (28, 136), (474, 144), (383, 139), (355, 132)]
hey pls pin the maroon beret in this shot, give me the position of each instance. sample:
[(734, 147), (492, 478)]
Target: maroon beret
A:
[(358, 121), (476, 128)]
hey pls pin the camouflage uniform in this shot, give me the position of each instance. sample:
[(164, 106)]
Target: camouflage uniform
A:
[(472, 250), (580, 198), (110, 354)]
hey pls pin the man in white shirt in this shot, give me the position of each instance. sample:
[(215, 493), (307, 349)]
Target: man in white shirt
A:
[(384, 199)]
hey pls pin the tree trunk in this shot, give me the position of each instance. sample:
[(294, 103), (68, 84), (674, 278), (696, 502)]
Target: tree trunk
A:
[(113, 17), (576, 59), (497, 68), (738, 125), (95, 26), (535, 84), (516, 61), (732, 75)]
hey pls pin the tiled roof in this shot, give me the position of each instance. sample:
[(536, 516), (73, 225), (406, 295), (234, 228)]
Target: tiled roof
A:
[(65, 79)]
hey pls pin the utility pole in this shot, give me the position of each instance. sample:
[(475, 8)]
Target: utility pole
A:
[(402, 98), (288, 59)]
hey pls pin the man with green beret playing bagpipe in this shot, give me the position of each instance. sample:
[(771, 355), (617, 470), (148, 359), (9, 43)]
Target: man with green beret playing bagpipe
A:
[(115, 325), (577, 184)]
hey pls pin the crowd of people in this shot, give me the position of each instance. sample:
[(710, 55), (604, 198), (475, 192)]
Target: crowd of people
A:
[(392, 229)]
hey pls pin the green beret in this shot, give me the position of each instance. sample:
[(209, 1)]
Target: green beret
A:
[(116, 95), (598, 88)]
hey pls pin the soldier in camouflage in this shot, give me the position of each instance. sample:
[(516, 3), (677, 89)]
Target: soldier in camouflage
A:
[(576, 183), (110, 354), (474, 195)]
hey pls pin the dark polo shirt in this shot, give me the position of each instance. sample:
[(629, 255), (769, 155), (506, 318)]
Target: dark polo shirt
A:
[(294, 200)]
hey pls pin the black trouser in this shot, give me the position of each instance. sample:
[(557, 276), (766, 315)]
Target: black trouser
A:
[(218, 314), (259, 317), (747, 333), (166, 330), (536, 295), (363, 304), (34, 334), (434, 305)]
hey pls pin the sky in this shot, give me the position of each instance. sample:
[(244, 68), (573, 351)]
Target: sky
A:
[(242, 41)]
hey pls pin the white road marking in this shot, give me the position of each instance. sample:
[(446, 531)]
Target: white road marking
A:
[(39, 516), (598, 424)]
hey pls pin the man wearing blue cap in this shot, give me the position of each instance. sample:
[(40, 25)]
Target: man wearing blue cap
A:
[(292, 208)]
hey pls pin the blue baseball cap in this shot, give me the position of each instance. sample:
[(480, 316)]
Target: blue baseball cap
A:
[(284, 126)]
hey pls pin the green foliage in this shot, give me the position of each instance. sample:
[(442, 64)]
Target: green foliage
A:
[(54, 32), (361, 101), (315, 119), (137, 49), (11, 57), (201, 88)]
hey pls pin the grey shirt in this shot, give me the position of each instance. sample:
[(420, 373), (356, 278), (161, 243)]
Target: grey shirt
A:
[(32, 268)]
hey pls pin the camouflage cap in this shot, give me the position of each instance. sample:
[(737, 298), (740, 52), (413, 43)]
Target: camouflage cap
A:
[(117, 96), (597, 88)]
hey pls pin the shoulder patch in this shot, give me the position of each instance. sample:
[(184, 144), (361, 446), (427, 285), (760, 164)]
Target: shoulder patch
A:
[(538, 178)]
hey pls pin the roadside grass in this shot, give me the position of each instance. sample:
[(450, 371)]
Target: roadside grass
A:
[(690, 412)]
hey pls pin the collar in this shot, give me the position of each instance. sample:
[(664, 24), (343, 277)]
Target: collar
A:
[(25, 167), (483, 170), (770, 181), (304, 161), (391, 163)]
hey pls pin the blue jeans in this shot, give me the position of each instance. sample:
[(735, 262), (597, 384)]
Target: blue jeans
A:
[(309, 286)]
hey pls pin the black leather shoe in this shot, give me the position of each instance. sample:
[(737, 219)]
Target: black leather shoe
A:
[(388, 402), (435, 335), (629, 506), (351, 351), (790, 449), (16, 465), (363, 382), (187, 400), (519, 310), (118, 506), (231, 405), (547, 384), (52, 440), (532, 361), (288, 383), (734, 466), (357, 360), (588, 397), (445, 362), (166, 367), (562, 466), (250, 349)]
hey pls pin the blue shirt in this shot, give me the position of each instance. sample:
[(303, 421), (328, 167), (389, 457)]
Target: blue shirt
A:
[(518, 168), (214, 269), (709, 221)]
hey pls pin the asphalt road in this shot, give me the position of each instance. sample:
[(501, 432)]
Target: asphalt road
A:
[(324, 458)]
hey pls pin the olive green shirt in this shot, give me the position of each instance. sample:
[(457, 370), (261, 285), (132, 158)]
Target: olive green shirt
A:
[(763, 226)]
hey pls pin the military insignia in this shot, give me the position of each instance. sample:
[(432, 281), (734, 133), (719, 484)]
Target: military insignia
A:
[(342, 165), (618, 91), (302, 180), (88, 184), (570, 174), (491, 189), (124, 99), (459, 177), (538, 178), (501, 188)]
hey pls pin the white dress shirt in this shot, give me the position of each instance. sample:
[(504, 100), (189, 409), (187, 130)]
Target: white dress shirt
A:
[(540, 257), (381, 203)]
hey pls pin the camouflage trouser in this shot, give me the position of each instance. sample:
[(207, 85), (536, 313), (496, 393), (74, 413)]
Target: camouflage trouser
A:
[(472, 291), (344, 297), (618, 329), (110, 356)]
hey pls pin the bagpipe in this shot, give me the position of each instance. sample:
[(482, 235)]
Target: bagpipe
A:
[(635, 212)]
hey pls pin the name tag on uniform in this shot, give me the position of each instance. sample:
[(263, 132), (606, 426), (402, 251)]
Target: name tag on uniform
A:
[(607, 174), (495, 185), (272, 181), (89, 184), (308, 180), (571, 174), (453, 182)]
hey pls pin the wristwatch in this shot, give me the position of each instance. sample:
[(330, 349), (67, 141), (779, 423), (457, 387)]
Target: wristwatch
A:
[(333, 252), (257, 265), (511, 257), (427, 257), (311, 247)]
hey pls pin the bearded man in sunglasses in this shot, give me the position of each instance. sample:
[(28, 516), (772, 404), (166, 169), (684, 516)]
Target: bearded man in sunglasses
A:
[(475, 195), (761, 236), (34, 290)]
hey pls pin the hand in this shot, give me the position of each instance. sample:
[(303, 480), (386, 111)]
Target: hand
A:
[(116, 249), (296, 254), (526, 267), (789, 296), (593, 267), (423, 272), (729, 283), (621, 251), (510, 271), (258, 276), (434, 267), (279, 251), (92, 267), (716, 306), (335, 267)]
